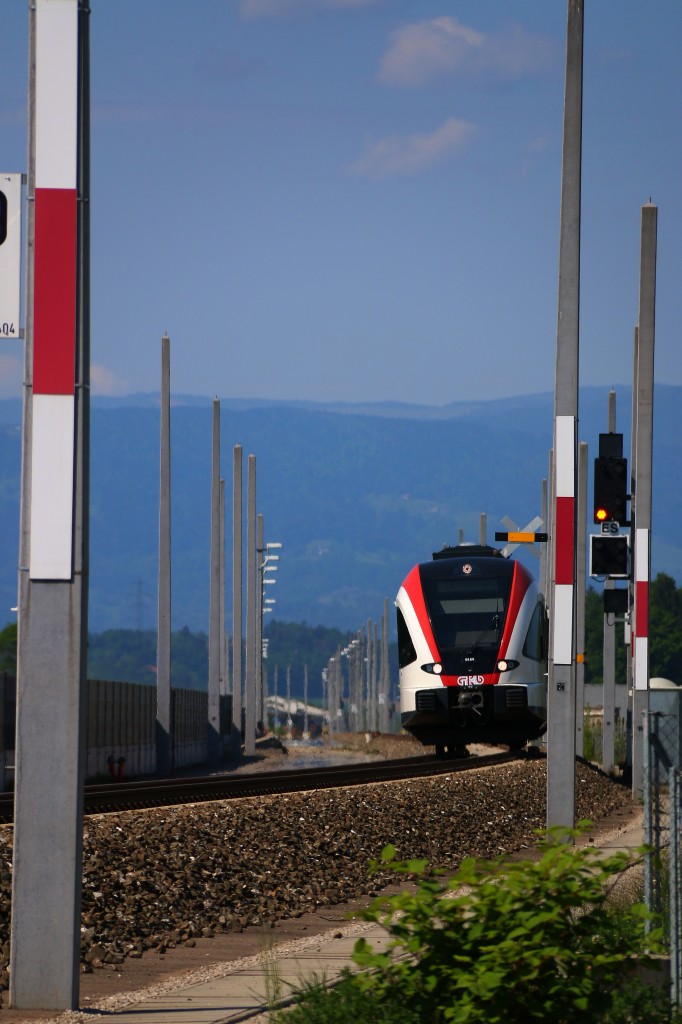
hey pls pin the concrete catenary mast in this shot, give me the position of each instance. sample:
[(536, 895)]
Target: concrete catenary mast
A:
[(53, 546)]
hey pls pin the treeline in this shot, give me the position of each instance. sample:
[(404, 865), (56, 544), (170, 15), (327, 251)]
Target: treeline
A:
[(129, 655), (296, 644), (665, 633)]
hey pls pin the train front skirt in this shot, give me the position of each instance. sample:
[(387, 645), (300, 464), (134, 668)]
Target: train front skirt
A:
[(455, 716)]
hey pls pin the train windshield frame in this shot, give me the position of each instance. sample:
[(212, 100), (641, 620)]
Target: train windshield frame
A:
[(467, 613)]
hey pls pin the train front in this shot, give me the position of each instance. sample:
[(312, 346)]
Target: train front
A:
[(472, 651)]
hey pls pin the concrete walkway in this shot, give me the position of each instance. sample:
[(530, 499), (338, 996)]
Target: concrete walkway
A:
[(246, 989)]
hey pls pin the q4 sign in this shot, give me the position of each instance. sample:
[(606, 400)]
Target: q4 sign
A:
[(10, 255)]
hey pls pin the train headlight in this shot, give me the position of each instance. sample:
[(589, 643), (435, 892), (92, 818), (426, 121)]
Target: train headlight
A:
[(506, 664), (434, 668)]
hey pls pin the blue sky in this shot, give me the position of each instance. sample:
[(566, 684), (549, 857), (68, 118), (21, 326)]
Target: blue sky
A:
[(359, 199)]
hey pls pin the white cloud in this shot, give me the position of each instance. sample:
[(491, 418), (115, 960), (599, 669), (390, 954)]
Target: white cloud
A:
[(270, 8), (443, 46), (409, 154), (106, 382)]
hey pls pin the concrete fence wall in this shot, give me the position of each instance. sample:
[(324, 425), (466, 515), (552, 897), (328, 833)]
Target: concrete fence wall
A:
[(189, 710), (121, 724), (121, 727)]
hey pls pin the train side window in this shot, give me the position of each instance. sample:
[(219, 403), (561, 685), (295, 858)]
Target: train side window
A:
[(533, 646), (406, 651)]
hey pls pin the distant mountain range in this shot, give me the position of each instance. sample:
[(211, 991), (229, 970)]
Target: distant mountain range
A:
[(356, 494)]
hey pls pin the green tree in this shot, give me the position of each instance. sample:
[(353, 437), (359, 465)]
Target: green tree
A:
[(665, 633), (130, 655), (665, 628), (8, 648)]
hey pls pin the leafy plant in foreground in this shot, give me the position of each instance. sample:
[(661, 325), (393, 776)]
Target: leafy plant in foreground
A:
[(514, 942), (345, 1003)]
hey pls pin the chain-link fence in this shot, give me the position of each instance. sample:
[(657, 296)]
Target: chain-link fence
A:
[(662, 822)]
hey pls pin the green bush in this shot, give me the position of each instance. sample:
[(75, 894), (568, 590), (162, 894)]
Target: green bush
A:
[(502, 942), (345, 1003)]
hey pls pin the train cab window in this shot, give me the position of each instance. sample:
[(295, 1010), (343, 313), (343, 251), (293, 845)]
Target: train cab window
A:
[(534, 646), (466, 613), (406, 651)]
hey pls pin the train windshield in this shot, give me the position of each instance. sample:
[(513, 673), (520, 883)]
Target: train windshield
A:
[(467, 613)]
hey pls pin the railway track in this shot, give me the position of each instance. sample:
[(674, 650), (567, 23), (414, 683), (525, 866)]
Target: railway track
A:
[(165, 792)]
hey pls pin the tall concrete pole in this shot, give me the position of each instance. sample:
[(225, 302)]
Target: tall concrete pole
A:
[(250, 694), (289, 730), (375, 676), (385, 672), (275, 695), (369, 704), (223, 638), (260, 587), (54, 542), (644, 385), (331, 691), (214, 632), (629, 624), (561, 682), (581, 549), (483, 529), (237, 590), (164, 720), (609, 655)]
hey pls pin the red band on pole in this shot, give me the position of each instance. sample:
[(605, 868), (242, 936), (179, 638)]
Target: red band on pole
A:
[(564, 563), (54, 332), (642, 609)]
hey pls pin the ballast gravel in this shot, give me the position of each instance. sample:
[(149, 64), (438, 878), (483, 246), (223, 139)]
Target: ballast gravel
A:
[(161, 878)]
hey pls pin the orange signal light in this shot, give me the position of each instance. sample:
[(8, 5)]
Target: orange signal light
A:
[(601, 515)]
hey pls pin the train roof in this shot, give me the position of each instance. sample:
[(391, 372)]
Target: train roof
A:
[(472, 561), (468, 551)]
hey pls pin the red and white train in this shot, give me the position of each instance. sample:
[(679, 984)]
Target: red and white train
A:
[(472, 650)]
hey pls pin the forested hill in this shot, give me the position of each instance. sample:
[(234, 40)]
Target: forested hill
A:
[(356, 494)]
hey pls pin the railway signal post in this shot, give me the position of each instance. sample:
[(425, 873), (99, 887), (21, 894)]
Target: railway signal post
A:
[(609, 645)]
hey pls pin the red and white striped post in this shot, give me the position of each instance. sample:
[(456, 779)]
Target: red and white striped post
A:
[(561, 681), (643, 389), (54, 283), (564, 540), (51, 665), (640, 632)]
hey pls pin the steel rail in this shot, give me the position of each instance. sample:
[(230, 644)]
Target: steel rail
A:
[(149, 793)]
